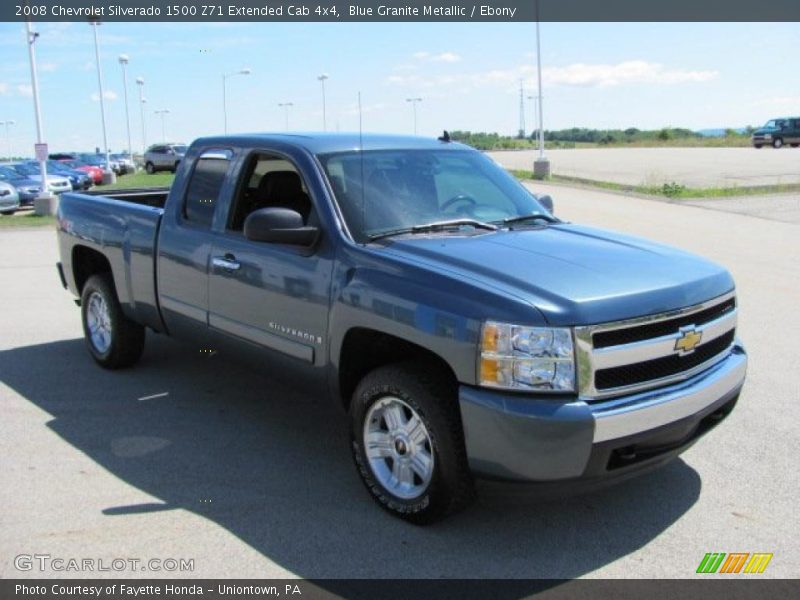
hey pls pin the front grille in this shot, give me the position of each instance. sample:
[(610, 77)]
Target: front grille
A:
[(665, 366), (628, 335)]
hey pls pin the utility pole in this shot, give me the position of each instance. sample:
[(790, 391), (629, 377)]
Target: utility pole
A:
[(108, 174), (142, 101), (521, 133)]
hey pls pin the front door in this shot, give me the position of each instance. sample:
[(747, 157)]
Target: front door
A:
[(272, 295)]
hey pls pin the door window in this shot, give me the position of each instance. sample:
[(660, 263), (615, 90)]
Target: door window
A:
[(205, 185)]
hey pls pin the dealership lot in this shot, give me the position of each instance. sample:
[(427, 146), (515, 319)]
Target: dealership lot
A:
[(188, 456), (692, 167)]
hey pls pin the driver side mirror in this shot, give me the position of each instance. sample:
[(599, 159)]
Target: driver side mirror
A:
[(279, 226), (547, 202)]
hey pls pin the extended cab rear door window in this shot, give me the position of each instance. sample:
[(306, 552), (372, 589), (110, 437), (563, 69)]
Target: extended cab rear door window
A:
[(204, 188)]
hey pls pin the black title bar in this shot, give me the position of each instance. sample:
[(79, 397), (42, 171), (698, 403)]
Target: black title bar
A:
[(333, 11)]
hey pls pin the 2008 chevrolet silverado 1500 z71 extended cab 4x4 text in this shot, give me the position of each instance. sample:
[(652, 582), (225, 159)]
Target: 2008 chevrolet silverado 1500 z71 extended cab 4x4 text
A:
[(467, 331)]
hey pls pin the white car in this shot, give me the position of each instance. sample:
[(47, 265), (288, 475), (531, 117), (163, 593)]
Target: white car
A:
[(9, 199), (55, 183)]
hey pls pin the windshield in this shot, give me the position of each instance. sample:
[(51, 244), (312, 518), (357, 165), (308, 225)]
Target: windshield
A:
[(774, 124), (179, 149), (384, 190)]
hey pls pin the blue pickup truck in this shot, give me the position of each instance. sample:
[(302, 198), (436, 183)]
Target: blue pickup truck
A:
[(467, 331)]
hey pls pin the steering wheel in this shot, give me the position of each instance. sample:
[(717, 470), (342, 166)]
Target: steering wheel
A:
[(460, 198)]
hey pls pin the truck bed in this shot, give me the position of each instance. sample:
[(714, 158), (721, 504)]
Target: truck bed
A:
[(122, 227)]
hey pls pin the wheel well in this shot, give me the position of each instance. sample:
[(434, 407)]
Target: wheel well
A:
[(364, 350), (87, 262)]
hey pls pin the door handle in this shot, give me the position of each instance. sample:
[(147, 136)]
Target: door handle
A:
[(227, 262)]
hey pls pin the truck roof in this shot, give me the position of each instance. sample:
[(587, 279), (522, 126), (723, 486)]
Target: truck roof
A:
[(325, 143)]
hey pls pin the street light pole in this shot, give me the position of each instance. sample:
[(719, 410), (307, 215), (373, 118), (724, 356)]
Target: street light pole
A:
[(414, 107), (321, 79), (45, 202), (123, 61), (108, 174), (140, 85), (8, 124), (285, 106), (541, 166), (162, 112), (535, 115), (225, 95)]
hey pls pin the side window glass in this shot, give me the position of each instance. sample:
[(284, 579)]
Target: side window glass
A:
[(269, 181), (205, 185)]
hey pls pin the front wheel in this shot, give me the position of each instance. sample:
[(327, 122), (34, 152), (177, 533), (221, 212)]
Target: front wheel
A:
[(113, 340), (8, 212), (758, 146), (408, 442)]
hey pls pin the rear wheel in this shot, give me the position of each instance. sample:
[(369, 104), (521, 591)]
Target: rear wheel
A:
[(150, 168), (794, 145), (408, 442), (113, 340), (777, 143)]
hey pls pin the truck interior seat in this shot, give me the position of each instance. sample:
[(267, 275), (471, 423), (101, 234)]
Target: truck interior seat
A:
[(283, 189)]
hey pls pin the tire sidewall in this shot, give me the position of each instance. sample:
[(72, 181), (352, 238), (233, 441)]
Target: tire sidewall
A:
[(97, 285), (777, 143), (150, 168), (435, 501)]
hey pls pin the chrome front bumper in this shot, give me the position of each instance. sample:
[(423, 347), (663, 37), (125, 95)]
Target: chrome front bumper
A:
[(529, 438), (629, 415)]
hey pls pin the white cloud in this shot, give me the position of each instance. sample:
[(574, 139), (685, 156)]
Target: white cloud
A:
[(108, 95), (780, 101), (24, 89), (47, 67), (447, 57), (576, 75), (632, 71), (3, 88)]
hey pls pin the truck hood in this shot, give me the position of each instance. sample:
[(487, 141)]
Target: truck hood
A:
[(573, 275)]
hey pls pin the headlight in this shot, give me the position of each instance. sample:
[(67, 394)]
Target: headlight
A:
[(526, 358), (30, 190), (767, 136)]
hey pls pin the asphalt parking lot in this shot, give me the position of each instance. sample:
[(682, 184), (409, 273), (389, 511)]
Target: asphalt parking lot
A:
[(692, 167), (189, 456)]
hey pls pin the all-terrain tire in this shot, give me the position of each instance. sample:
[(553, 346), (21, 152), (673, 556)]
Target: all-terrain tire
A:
[(113, 340), (430, 395)]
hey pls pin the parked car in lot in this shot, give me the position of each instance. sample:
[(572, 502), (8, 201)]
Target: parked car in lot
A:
[(125, 162), (79, 180), (163, 157), (27, 189), (466, 330), (99, 161), (9, 199), (96, 173), (55, 183), (777, 133)]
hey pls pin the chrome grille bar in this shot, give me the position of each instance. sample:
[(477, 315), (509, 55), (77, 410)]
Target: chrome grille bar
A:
[(591, 359)]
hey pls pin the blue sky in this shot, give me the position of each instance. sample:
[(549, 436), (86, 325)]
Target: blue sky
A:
[(644, 75)]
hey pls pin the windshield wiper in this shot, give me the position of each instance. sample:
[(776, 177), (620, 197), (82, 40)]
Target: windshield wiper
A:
[(435, 226), (522, 218)]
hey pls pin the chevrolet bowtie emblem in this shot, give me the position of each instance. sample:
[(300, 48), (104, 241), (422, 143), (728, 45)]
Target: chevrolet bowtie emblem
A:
[(688, 341)]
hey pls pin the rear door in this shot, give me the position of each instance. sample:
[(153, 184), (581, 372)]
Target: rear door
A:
[(185, 246), (272, 295)]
